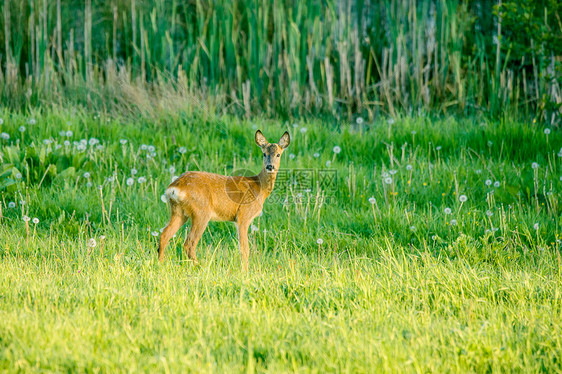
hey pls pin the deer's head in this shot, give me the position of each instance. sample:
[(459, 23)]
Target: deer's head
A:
[(272, 151)]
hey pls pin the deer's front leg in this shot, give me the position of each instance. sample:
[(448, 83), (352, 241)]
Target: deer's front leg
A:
[(243, 243)]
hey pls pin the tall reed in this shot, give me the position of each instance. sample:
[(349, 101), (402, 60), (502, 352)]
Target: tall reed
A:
[(287, 58)]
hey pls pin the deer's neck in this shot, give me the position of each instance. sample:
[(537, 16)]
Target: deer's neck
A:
[(267, 181)]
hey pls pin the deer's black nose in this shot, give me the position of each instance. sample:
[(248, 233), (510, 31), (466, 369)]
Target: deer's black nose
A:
[(269, 167)]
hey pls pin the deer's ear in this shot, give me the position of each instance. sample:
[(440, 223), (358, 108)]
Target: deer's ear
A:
[(285, 140), (260, 139)]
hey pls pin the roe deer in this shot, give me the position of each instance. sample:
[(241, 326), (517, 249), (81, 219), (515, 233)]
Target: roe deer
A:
[(204, 197)]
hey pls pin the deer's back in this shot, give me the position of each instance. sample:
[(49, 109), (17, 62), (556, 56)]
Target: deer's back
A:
[(218, 196)]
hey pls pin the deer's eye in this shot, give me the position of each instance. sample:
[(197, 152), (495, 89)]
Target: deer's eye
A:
[(264, 155), (278, 155)]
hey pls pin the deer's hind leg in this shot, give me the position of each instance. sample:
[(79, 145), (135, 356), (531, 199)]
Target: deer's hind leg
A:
[(198, 226), (176, 221)]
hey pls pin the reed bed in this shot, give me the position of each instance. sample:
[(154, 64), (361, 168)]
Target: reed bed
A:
[(277, 58)]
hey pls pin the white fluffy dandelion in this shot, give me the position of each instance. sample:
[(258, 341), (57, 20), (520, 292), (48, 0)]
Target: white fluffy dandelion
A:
[(320, 241), (372, 200), (535, 165), (447, 211), (463, 198), (336, 149), (130, 181)]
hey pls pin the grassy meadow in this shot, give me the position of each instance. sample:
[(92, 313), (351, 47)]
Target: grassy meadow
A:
[(414, 225), (434, 247)]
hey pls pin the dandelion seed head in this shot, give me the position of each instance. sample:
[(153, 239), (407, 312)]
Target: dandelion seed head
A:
[(337, 149), (303, 130), (182, 150), (488, 182), (462, 198), (22, 129), (18, 176), (130, 181), (372, 200), (536, 226), (123, 141), (535, 165), (11, 205), (453, 222), (413, 228), (25, 219), (409, 167), (320, 241), (547, 131), (87, 175), (447, 210), (134, 171), (292, 156), (5, 136), (92, 243), (497, 184), (316, 155), (388, 180), (489, 213), (359, 120), (35, 220), (141, 180)]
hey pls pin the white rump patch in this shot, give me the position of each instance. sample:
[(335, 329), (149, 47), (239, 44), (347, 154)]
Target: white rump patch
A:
[(175, 193)]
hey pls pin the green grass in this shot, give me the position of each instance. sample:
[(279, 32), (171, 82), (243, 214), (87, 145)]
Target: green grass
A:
[(395, 286)]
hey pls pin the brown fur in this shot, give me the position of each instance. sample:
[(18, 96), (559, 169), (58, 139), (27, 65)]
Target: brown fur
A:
[(204, 197)]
